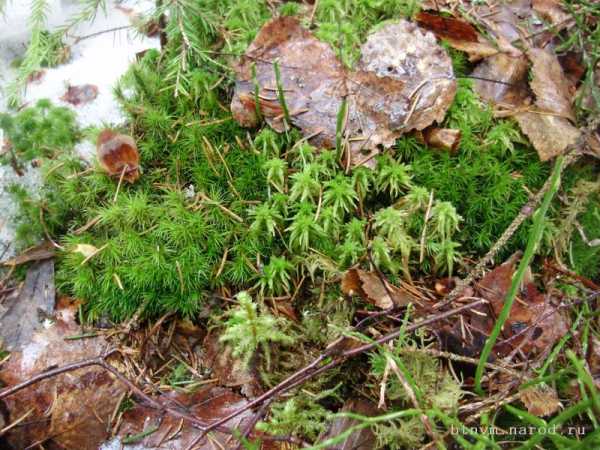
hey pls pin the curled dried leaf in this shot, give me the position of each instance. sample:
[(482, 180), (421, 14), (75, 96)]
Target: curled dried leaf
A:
[(118, 155), (371, 288), (447, 139), (460, 34)]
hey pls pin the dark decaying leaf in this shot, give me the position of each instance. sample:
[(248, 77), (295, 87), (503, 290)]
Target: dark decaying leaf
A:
[(79, 95), (531, 311), (573, 68), (23, 312), (460, 34), (361, 439), (447, 27), (371, 288), (168, 433), (534, 324), (230, 371), (403, 81), (118, 155), (72, 409)]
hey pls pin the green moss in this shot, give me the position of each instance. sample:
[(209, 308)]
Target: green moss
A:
[(42, 130), (487, 180)]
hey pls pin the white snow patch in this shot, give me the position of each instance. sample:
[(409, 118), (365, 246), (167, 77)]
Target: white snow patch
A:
[(98, 60)]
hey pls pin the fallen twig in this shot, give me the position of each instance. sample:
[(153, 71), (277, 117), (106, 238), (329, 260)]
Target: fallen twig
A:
[(335, 358)]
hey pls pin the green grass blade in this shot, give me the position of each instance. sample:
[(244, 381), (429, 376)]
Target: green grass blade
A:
[(532, 244)]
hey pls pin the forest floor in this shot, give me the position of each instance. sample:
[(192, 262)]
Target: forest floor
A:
[(328, 224)]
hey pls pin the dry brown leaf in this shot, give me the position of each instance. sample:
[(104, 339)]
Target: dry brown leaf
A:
[(371, 288), (549, 83), (403, 81), (229, 371), (531, 310), (447, 27), (552, 11), (550, 135), (447, 139), (547, 124), (541, 401), (79, 95), (73, 409), (534, 324), (501, 79), (118, 155)]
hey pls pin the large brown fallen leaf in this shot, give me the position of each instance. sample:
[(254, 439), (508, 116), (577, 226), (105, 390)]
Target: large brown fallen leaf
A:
[(73, 409), (371, 288), (549, 83), (547, 123), (550, 135), (403, 81)]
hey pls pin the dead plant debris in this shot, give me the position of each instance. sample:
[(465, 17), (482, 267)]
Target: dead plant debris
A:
[(403, 81)]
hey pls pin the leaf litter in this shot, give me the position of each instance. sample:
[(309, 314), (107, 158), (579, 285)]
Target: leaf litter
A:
[(403, 81)]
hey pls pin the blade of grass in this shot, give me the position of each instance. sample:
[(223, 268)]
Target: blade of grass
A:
[(535, 236), (574, 410), (256, 94), (560, 345), (281, 95), (340, 127), (585, 379), (559, 441)]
